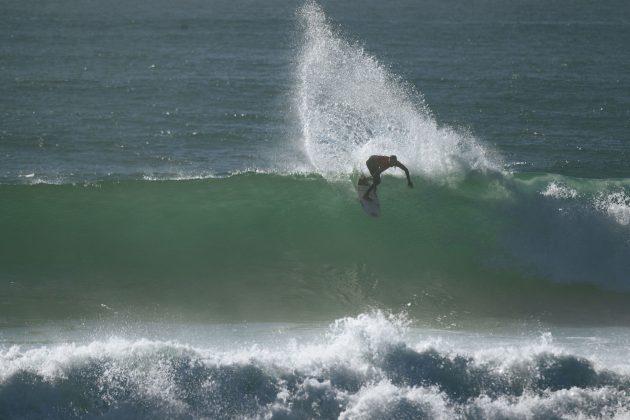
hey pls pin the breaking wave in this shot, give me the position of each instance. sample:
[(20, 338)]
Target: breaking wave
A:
[(364, 367)]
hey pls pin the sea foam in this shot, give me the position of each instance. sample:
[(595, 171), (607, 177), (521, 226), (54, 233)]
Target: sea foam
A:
[(615, 205), (557, 190), (372, 366)]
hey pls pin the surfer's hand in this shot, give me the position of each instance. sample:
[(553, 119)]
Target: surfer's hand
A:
[(410, 184)]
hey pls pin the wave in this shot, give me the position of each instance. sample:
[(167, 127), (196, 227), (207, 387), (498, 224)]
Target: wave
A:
[(256, 246), (364, 367)]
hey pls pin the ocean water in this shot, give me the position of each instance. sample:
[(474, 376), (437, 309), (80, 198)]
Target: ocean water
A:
[(181, 236)]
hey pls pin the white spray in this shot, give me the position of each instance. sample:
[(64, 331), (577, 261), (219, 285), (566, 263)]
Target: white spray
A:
[(351, 107)]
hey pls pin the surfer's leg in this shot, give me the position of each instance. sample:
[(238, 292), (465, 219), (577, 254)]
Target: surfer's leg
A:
[(376, 179), (372, 167)]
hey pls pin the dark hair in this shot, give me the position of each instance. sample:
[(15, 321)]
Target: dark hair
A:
[(393, 157)]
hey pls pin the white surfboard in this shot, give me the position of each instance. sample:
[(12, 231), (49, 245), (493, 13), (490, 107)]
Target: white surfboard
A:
[(372, 206)]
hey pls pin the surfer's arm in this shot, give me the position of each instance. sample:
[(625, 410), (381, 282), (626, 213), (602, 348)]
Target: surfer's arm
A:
[(404, 168)]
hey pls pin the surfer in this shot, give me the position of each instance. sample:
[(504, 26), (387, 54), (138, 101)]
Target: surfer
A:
[(377, 165)]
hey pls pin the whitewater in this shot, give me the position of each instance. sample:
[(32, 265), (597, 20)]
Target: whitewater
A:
[(371, 366)]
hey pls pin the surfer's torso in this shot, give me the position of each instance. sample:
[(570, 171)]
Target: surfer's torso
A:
[(377, 164)]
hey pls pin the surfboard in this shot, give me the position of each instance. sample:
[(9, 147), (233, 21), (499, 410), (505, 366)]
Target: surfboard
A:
[(371, 207)]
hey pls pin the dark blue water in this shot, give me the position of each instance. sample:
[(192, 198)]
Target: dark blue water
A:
[(92, 88)]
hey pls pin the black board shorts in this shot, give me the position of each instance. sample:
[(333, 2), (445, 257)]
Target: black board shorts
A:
[(373, 168)]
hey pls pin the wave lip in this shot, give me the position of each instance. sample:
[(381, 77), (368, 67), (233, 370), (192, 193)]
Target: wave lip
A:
[(363, 367), (559, 191)]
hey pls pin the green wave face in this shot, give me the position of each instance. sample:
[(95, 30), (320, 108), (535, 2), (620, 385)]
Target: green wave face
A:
[(266, 246)]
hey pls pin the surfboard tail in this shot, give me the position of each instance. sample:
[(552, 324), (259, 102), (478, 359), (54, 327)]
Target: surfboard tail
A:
[(371, 206)]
